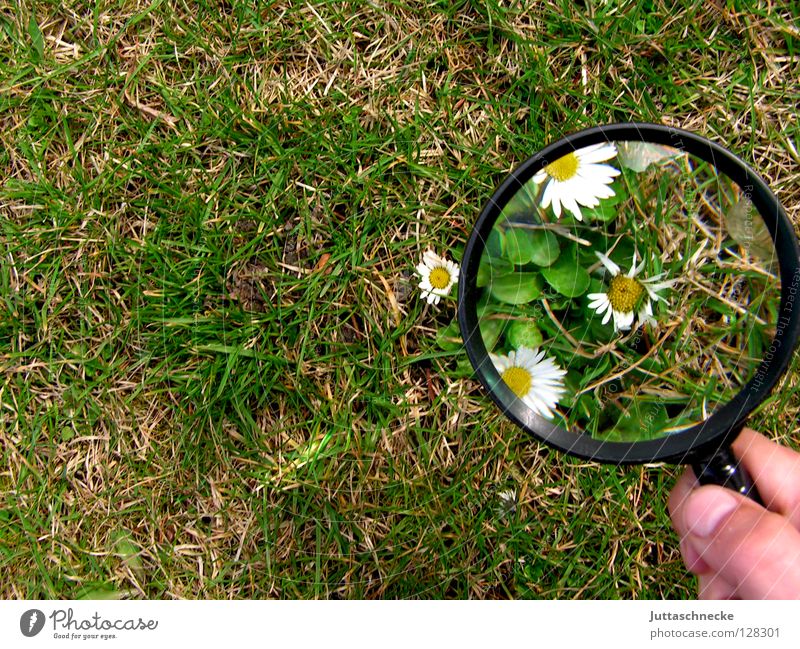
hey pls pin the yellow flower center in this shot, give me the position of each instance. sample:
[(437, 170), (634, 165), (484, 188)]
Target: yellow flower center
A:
[(624, 293), (519, 380), (563, 168), (440, 277)]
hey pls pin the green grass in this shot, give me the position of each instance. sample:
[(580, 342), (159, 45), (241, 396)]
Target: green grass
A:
[(218, 379)]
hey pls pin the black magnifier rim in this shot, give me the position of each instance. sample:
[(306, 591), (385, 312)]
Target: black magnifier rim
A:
[(724, 424)]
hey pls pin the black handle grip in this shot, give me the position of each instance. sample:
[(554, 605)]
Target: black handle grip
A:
[(723, 469)]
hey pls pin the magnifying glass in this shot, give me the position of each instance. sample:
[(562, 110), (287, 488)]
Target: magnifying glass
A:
[(630, 294)]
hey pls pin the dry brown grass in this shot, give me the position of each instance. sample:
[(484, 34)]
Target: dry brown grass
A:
[(167, 160)]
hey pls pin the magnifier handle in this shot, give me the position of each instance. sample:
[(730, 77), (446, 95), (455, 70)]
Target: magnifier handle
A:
[(723, 469)]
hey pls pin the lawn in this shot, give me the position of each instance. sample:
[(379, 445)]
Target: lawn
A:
[(218, 377)]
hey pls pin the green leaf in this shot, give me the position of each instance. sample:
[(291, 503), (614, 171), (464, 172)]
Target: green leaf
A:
[(596, 330), (449, 338), (640, 421), (517, 288), (603, 213), (572, 384), (566, 276), (494, 245), (522, 205), (484, 275), (491, 268), (464, 369), (128, 552), (545, 248), (589, 374), (519, 246), (491, 328), (620, 193), (523, 333), (100, 593), (37, 41)]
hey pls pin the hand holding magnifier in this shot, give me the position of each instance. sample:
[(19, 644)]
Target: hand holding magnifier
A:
[(628, 295)]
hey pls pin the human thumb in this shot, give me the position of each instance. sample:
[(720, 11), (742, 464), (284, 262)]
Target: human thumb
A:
[(754, 550)]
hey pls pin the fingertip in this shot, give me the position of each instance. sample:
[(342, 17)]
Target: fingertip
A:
[(684, 486), (680, 492), (713, 586), (774, 469), (754, 550), (706, 508), (691, 558)]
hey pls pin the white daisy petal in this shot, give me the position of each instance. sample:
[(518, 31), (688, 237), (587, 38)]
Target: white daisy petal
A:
[(500, 362), (603, 171), (572, 206), (610, 265), (627, 298), (540, 409), (624, 319), (603, 191), (556, 204), (454, 270), (430, 258), (546, 195), (535, 379), (592, 147), (578, 178), (598, 153), (437, 276), (587, 199)]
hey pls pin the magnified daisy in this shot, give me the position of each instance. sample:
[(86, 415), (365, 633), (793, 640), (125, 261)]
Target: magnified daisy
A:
[(627, 296), (577, 179), (438, 276), (536, 380)]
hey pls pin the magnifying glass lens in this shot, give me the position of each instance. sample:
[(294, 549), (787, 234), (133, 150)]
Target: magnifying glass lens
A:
[(627, 291)]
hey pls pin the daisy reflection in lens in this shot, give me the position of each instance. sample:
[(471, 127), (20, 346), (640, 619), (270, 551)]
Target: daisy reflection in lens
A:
[(577, 179), (627, 296), (536, 380)]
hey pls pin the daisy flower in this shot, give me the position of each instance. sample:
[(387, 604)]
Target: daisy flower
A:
[(537, 381), (577, 178), (438, 276), (507, 502), (627, 296)]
